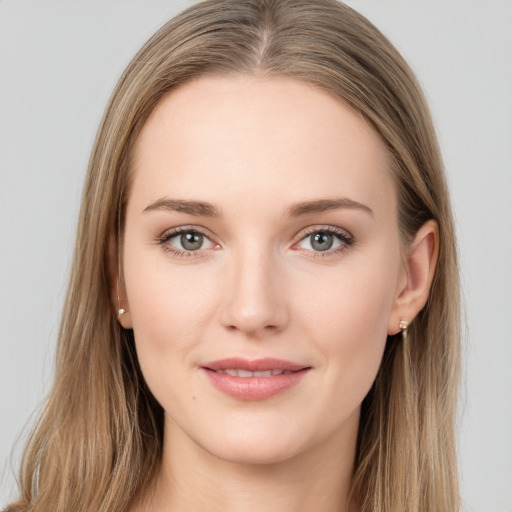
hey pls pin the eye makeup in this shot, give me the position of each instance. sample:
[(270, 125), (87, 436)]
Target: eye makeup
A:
[(324, 241), (193, 241), (319, 241)]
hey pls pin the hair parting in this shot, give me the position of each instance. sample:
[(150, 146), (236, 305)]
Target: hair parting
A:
[(98, 442)]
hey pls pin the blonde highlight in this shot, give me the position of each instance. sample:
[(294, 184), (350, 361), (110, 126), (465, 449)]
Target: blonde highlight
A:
[(99, 440)]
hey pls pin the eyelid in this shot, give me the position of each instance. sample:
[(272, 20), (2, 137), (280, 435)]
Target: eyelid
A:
[(343, 235), (346, 238), (176, 231), (185, 229), (314, 228)]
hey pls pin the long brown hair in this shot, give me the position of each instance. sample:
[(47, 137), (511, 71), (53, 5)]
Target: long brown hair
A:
[(99, 440)]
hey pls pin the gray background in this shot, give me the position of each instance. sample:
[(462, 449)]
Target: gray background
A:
[(59, 61)]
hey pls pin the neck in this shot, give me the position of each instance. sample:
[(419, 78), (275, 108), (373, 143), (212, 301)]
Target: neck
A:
[(192, 480)]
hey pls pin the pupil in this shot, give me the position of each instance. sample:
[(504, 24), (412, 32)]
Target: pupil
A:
[(191, 241), (322, 241)]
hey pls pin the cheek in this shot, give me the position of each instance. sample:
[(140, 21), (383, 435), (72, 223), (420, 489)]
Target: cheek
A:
[(355, 300), (169, 305), (347, 317)]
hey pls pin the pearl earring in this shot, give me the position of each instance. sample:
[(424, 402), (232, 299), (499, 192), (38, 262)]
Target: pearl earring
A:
[(403, 325), (122, 311)]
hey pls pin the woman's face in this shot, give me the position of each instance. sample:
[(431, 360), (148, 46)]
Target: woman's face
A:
[(261, 265)]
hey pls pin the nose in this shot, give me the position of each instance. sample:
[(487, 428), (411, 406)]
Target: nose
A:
[(254, 300)]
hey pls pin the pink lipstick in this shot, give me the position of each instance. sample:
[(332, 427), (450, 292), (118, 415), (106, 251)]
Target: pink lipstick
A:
[(254, 380)]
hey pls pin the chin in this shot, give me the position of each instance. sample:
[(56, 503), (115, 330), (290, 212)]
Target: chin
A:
[(253, 455), (257, 445)]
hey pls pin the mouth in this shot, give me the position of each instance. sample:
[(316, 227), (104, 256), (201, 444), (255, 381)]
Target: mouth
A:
[(237, 372), (255, 366), (254, 380)]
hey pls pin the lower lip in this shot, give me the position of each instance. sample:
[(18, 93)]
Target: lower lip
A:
[(254, 388)]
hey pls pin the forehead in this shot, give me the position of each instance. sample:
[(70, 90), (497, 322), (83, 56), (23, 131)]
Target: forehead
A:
[(268, 137)]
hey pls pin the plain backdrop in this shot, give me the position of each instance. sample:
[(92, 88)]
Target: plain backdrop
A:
[(59, 61)]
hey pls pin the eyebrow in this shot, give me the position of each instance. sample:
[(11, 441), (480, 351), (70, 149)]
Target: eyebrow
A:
[(198, 208), (201, 208), (323, 205)]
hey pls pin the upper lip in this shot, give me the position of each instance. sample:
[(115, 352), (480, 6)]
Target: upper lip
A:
[(255, 365)]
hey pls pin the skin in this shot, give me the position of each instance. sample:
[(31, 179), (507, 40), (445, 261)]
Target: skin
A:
[(253, 148)]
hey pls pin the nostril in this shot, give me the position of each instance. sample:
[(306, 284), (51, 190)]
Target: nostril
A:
[(266, 328)]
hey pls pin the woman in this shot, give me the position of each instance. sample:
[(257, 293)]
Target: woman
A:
[(264, 307)]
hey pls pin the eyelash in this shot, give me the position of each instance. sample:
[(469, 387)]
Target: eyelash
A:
[(343, 236), (168, 235)]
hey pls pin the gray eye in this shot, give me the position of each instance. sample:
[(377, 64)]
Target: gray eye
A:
[(322, 241), (191, 241)]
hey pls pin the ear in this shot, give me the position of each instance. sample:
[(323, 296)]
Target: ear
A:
[(416, 277), (117, 286)]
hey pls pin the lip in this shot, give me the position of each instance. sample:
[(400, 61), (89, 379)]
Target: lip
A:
[(255, 387)]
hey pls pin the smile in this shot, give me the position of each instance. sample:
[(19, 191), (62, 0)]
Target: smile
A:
[(246, 373), (259, 379)]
